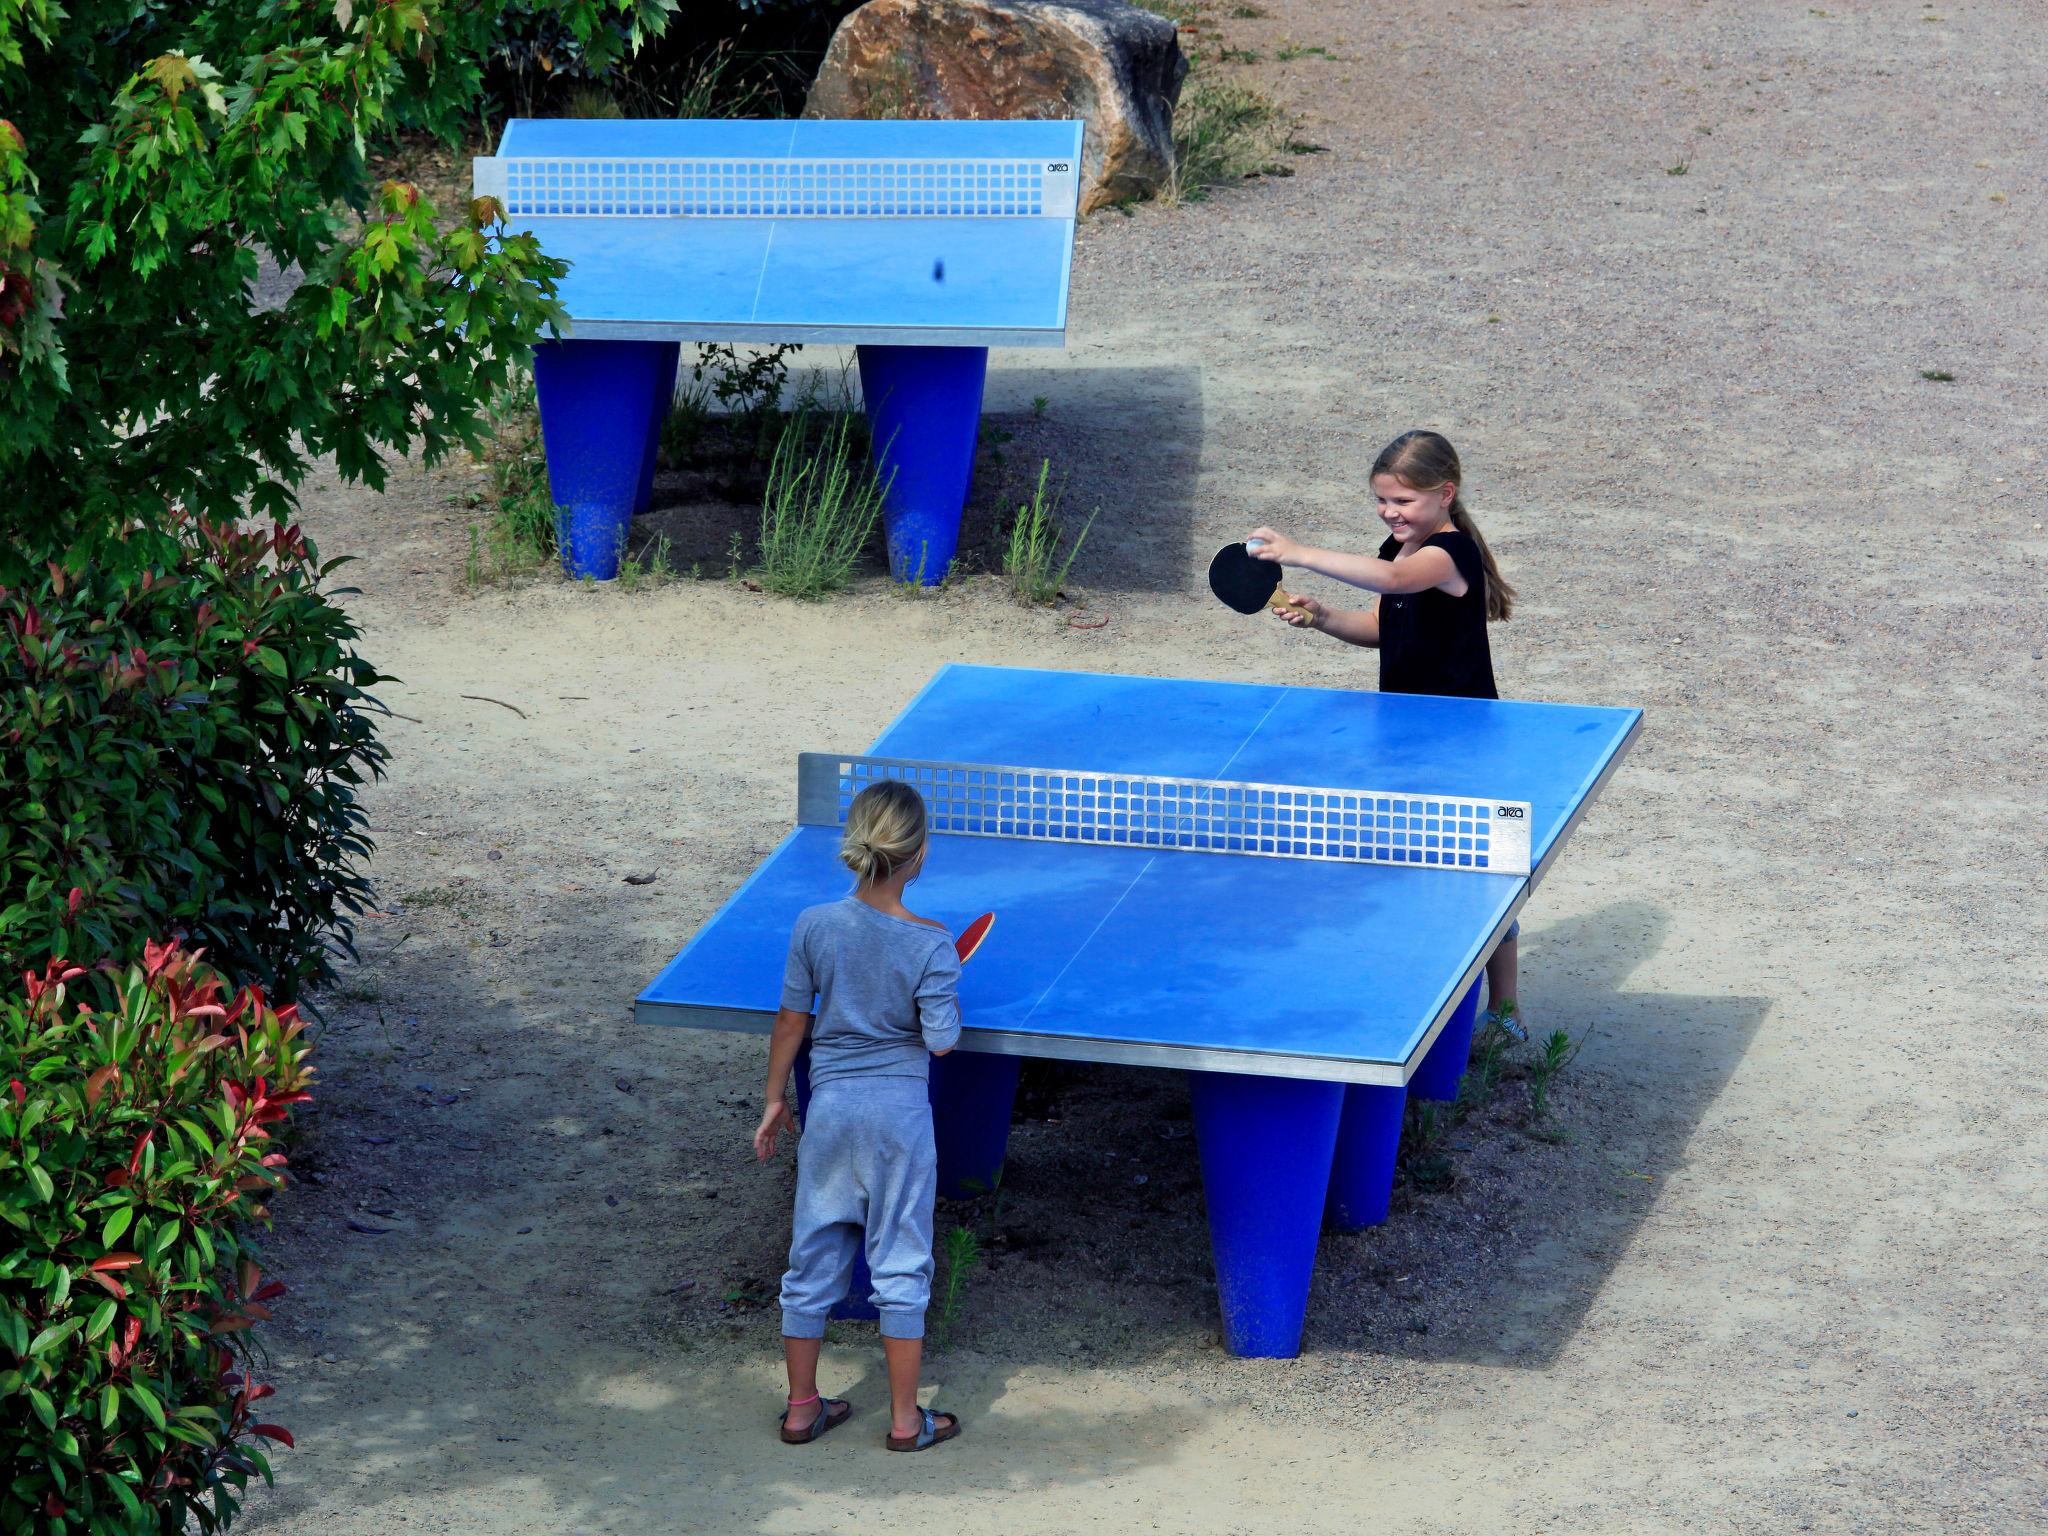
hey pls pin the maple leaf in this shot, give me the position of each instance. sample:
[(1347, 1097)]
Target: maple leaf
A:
[(173, 73)]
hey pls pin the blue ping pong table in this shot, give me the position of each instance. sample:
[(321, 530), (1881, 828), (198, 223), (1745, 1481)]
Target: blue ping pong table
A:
[(1288, 892), (921, 244)]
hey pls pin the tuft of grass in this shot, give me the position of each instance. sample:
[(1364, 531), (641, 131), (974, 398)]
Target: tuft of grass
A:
[(913, 585), (1245, 13), (1679, 169), (819, 507), (1937, 375), (448, 897), (959, 1256), (649, 568), (1558, 1051), (711, 86), (1040, 553), (1288, 52), (1222, 132), (1038, 405), (519, 538), (1483, 1070), (590, 101), (682, 431)]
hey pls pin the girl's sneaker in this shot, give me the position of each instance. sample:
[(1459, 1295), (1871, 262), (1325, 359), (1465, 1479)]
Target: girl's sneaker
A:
[(1508, 1020)]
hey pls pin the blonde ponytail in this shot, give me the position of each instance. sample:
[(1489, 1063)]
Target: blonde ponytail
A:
[(885, 828)]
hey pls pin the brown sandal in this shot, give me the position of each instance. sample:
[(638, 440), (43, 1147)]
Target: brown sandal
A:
[(832, 1412), (929, 1433)]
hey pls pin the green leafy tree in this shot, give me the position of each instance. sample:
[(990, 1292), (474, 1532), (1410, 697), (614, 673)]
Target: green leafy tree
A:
[(203, 293), (155, 155)]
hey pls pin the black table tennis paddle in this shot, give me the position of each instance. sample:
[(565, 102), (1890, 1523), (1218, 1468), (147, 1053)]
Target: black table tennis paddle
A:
[(1246, 583)]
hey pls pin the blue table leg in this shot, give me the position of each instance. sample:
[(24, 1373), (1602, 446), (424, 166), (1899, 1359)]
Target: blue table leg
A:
[(1362, 1168), (861, 1286), (1437, 1077), (595, 401), (657, 417), (1266, 1144), (924, 411), (973, 1094)]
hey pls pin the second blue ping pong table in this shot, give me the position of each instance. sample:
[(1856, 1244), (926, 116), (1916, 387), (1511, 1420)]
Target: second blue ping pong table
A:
[(1288, 892), (920, 244)]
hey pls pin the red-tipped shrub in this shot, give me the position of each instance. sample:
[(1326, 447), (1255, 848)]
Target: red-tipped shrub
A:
[(136, 1150)]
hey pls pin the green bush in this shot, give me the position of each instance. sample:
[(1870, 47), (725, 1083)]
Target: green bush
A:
[(180, 750), (135, 1148)]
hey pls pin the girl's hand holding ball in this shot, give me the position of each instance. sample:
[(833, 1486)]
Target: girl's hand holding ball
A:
[(1265, 544)]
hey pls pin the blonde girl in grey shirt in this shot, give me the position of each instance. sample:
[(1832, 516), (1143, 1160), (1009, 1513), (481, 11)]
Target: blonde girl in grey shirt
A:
[(884, 980)]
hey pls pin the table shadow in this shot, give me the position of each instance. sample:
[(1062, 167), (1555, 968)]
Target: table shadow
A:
[(1499, 1237), (1120, 445)]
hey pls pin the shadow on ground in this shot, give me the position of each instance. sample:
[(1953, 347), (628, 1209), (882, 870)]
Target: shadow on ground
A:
[(1120, 444), (1097, 1253), (534, 1259)]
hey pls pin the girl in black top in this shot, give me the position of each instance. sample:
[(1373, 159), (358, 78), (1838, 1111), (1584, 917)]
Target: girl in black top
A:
[(1438, 587)]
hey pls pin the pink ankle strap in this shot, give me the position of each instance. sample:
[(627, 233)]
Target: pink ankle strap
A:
[(802, 1402)]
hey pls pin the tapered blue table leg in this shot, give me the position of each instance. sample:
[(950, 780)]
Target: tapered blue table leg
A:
[(1266, 1149), (1437, 1077), (657, 418), (973, 1093), (595, 400), (861, 1286), (924, 411), (1362, 1168)]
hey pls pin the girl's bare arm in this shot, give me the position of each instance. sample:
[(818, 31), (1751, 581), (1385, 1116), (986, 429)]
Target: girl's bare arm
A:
[(1424, 569), (783, 1043), (1352, 626)]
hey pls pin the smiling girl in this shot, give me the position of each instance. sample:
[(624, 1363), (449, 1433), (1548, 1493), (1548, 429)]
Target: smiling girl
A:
[(1437, 581), (1438, 587)]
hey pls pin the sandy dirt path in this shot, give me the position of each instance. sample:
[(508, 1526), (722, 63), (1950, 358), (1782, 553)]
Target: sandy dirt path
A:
[(1786, 1272)]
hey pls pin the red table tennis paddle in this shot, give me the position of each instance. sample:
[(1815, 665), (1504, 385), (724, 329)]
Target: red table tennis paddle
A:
[(972, 935)]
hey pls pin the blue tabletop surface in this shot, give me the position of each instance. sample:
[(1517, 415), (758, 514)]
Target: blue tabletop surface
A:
[(1300, 968), (900, 280)]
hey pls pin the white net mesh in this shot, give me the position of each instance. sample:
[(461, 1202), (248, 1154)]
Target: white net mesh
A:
[(1207, 815), (772, 188)]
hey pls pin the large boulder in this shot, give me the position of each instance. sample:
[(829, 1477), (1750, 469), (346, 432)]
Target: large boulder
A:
[(1118, 67)]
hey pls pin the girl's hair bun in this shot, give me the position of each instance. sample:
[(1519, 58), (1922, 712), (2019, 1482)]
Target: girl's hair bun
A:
[(885, 828)]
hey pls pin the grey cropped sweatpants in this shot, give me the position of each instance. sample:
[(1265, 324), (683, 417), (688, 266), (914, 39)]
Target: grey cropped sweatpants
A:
[(865, 1161)]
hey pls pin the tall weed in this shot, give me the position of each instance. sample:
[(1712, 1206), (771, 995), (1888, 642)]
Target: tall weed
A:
[(1040, 554), (819, 508)]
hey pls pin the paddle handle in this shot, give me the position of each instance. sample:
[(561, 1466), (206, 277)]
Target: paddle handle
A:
[(1280, 602)]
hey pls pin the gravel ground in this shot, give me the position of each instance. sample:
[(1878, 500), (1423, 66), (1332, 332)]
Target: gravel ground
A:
[(1781, 1268)]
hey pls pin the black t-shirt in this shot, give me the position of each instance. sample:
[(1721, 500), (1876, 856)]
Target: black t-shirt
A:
[(1432, 642)]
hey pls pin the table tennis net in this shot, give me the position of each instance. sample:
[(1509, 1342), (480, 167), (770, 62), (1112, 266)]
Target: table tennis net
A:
[(1203, 815), (622, 186)]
